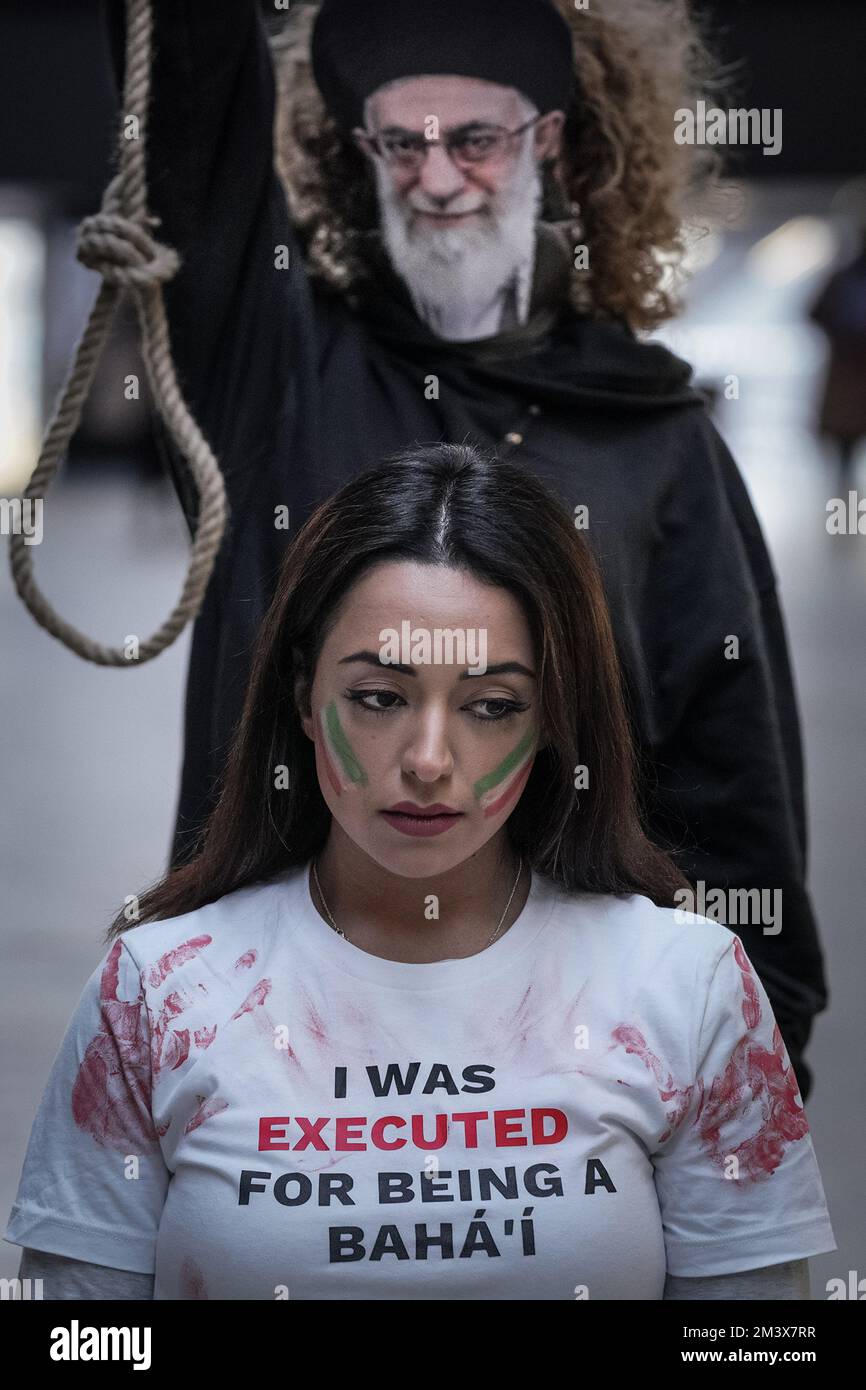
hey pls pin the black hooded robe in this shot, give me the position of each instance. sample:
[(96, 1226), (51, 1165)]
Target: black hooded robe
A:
[(296, 392)]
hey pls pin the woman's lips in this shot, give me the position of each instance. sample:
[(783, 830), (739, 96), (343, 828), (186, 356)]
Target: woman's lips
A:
[(432, 822)]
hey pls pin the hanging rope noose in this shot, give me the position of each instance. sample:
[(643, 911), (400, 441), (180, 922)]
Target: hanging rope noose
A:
[(117, 242)]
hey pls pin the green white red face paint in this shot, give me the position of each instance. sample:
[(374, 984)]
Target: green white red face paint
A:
[(494, 792), (342, 765), (501, 787)]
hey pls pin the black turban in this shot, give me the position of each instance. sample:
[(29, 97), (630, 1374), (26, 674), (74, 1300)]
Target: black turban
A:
[(358, 45)]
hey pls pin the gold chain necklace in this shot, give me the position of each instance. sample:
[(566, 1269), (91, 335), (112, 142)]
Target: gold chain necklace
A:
[(489, 943)]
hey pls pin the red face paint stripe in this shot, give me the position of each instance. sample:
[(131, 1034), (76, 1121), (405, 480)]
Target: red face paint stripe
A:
[(511, 792)]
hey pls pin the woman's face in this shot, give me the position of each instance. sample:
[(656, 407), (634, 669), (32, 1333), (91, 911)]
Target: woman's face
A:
[(428, 731)]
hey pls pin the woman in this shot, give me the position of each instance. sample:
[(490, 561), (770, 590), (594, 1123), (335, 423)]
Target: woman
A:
[(425, 955)]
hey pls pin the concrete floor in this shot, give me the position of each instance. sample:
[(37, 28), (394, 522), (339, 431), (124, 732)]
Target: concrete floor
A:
[(91, 757)]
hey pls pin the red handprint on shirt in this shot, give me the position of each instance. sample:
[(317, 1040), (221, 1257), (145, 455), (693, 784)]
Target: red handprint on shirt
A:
[(755, 1078), (757, 1085), (111, 1093)]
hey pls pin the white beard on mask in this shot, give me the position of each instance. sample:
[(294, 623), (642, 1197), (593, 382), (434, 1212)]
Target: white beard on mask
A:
[(464, 280)]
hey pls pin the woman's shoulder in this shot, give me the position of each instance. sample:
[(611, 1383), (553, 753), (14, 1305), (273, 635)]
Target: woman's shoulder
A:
[(230, 931), (633, 927)]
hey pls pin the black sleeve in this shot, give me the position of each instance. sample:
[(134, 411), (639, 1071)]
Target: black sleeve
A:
[(63, 1278), (231, 310), (764, 578), (788, 1280), (728, 790)]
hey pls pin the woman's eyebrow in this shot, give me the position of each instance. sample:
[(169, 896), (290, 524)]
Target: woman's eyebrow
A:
[(373, 659), (502, 668)]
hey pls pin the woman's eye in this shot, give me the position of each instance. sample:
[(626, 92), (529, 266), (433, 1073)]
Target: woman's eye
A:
[(502, 709), (383, 701), (365, 697)]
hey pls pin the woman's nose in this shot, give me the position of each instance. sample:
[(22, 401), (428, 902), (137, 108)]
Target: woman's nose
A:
[(429, 755)]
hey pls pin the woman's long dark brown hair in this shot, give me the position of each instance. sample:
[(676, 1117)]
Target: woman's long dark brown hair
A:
[(442, 504)]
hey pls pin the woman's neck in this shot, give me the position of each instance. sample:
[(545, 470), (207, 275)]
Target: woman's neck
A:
[(395, 917)]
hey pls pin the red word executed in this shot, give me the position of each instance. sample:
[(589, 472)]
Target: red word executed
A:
[(504, 1128)]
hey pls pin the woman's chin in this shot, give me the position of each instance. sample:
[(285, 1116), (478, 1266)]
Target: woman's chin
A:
[(420, 857)]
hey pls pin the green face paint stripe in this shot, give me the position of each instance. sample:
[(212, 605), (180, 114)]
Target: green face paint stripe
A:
[(342, 747), (508, 764)]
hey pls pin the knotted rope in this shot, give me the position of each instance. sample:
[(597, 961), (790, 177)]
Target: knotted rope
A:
[(118, 243)]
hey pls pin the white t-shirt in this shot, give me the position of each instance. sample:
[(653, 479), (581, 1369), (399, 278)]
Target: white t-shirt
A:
[(253, 1107)]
